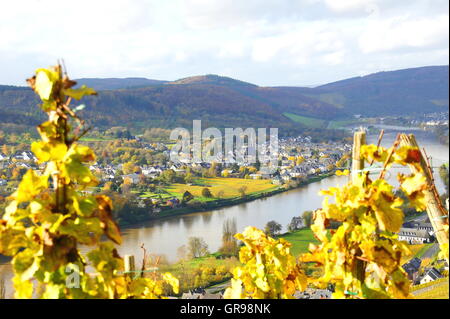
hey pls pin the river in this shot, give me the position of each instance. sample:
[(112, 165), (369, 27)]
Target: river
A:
[(167, 235)]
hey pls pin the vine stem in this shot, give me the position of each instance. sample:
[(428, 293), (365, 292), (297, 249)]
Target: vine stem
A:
[(380, 137), (391, 152)]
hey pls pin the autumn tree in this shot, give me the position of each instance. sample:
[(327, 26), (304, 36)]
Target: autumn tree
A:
[(168, 176), (295, 224), (188, 178), (229, 243), (197, 247), (308, 218), (272, 228), (242, 190), (206, 193), (220, 194)]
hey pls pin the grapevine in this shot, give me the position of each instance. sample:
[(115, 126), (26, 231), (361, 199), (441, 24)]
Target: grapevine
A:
[(52, 212), (362, 257)]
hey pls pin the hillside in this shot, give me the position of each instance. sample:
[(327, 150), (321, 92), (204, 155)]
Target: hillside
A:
[(219, 101), (416, 90)]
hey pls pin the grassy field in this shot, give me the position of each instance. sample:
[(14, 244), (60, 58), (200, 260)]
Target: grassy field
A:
[(208, 270), (415, 250), (189, 269), (156, 196), (306, 121), (340, 124), (96, 139), (423, 250), (195, 263), (338, 100), (228, 186), (300, 240), (318, 123)]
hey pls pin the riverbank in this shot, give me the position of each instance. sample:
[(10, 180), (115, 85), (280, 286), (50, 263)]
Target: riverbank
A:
[(213, 271), (220, 203)]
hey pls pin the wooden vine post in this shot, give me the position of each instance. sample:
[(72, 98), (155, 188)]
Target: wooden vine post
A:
[(359, 139), (437, 213), (129, 265)]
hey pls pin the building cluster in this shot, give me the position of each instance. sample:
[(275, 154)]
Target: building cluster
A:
[(20, 160), (422, 276), (417, 232), (309, 293), (312, 293), (297, 158), (201, 293), (429, 119)]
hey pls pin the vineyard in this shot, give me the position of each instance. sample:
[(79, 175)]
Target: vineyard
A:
[(227, 188)]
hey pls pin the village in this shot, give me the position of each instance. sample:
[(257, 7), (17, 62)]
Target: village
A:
[(299, 159)]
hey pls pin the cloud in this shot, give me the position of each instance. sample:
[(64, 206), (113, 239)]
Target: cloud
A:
[(271, 42), (404, 33), (352, 6), (298, 46)]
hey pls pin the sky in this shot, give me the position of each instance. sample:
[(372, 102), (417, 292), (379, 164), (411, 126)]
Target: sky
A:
[(265, 42)]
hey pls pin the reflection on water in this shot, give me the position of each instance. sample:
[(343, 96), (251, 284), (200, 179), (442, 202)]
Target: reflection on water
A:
[(166, 236)]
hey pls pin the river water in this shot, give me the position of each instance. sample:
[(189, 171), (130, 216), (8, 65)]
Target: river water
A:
[(167, 235)]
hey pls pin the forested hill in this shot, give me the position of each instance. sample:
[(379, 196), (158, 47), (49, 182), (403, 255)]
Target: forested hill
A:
[(217, 101), (416, 90), (225, 102)]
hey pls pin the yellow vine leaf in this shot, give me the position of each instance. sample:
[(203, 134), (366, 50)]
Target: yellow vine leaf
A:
[(269, 271), (30, 186), (78, 94), (345, 172), (45, 79)]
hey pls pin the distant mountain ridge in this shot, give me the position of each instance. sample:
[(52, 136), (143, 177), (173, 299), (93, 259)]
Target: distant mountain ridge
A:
[(414, 90), (225, 102), (117, 83)]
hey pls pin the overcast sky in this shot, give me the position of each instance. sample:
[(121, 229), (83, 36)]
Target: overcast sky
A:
[(266, 42)]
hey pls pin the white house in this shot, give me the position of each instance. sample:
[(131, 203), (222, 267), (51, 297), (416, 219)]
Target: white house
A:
[(431, 275), (134, 178), (286, 176), (152, 171), (414, 236), (25, 155), (277, 180)]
